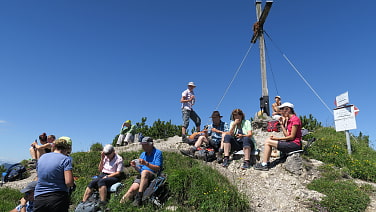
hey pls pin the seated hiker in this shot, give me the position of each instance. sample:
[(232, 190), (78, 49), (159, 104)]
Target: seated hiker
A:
[(275, 106), (27, 201), (239, 137), (110, 168), (291, 141), (37, 150), (213, 137), (126, 135), (148, 165)]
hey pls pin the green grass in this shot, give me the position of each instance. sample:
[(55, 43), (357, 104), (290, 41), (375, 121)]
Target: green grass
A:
[(193, 185), (342, 194)]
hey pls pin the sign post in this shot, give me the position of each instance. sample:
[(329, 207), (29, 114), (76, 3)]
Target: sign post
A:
[(344, 117)]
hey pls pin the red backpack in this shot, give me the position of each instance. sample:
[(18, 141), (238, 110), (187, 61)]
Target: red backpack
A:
[(273, 126)]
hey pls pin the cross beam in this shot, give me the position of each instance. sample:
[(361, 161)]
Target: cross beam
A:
[(259, 25)]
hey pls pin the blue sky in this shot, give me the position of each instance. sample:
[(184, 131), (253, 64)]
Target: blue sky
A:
[(81, 68)]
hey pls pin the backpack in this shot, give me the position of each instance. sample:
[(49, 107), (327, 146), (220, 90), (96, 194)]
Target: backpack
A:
[(157, 192), (272, 126), (91, 205), (207, 154), (14, 172)]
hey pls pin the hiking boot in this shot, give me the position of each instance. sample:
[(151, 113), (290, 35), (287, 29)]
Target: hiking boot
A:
[(261, 167), (246, 165), (102, 203), (219, 157), (138, 200), (188, 152), (225, 162)]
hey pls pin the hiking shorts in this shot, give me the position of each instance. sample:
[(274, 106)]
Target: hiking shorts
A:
[(190, 114), (138, 178), (100, 181), (239, 144), (288, 146)]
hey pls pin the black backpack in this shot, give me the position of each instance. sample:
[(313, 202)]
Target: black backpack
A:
[(157, 192), (206, 154), (14, 172)]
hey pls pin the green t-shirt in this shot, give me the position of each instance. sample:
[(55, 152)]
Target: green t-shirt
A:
[(131, 129)]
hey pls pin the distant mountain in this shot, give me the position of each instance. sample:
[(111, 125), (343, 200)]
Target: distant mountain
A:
[(6, 164)]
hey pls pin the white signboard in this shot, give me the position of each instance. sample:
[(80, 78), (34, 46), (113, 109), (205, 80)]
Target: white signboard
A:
[(344, 118), (342, 99)]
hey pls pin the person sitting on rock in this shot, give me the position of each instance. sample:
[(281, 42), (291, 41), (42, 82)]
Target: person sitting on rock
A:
[(213, 136), (148, 165), (37, 150), (291, 140), (126, 135), (110, 168), (239, 137), (27, 201), (275, 106)]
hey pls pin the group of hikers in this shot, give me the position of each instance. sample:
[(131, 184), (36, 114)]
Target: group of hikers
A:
[(224, 138), (50, 191)]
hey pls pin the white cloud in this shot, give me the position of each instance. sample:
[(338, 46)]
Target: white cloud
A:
[(3, 121)]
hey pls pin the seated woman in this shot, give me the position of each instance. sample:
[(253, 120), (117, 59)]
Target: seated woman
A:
[(239, 137), (291, 126)]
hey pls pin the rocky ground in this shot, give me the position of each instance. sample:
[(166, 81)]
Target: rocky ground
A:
[(274, 190)]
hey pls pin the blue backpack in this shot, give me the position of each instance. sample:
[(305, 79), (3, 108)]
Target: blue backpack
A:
[(14, 172)]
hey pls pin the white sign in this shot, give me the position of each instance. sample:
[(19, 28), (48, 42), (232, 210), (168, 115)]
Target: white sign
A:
[(342, 99), (344, 118)]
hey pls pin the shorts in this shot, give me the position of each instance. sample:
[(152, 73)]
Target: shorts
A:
[(190, 114), (239, 144), (138, 178), (99, 182), (288, 146)]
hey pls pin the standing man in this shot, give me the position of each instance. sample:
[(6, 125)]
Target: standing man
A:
[(148, 165), (188, 100)]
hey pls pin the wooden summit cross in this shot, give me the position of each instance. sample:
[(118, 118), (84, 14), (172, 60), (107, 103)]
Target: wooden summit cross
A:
[(258, 33)]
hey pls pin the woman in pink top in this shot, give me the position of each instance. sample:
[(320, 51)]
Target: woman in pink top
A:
[(292, 130)]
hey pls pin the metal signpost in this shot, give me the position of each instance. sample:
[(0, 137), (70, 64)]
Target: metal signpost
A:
[(344, 117)]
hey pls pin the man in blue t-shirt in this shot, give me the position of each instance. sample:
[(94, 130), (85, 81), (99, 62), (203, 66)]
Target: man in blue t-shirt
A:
[(148, 165)]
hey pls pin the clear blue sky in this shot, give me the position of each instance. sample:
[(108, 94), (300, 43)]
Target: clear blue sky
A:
[(81, 68)]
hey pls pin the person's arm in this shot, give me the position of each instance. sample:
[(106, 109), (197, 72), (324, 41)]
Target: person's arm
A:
[(290, 137), (233, 126), (68, 176), (44, 146), (153, 167), (183, 98), (100, 165)]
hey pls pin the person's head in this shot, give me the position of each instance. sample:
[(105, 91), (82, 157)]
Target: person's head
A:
[(128, 123), (43, 138), (109, 151), (63, 144), (191, 85), (216, 117), (237, 114), (147, 144), (28, 191), (277, 98), (51, 138), (286, 109)]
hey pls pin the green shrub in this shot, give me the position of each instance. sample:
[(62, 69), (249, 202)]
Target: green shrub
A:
[(341, 195), (96, 147), (9, 198), (331, 148)]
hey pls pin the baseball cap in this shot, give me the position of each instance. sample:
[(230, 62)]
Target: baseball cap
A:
[(286, 104), (29, 187), (146, 140), (108, 149), (277, 97), (192, 84), (68, 139), (128, 122)]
